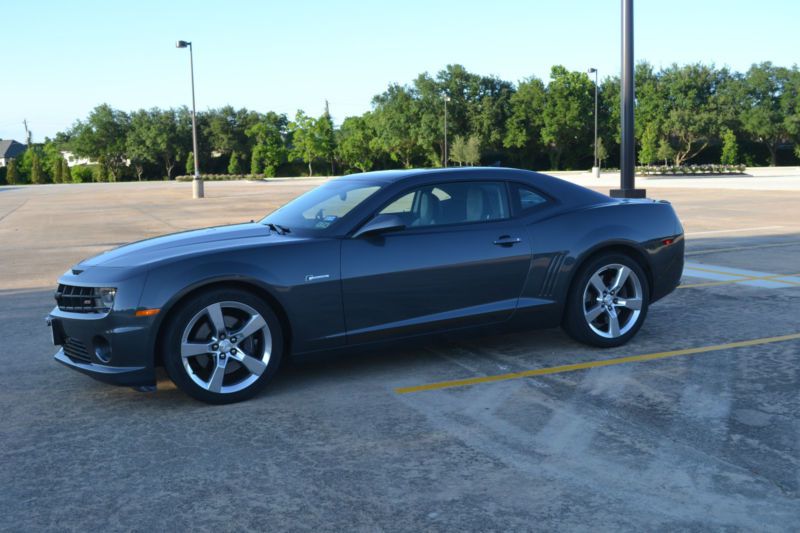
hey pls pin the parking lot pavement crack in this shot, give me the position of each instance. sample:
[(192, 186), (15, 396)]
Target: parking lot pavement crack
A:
[(151, 215), (6, 215)]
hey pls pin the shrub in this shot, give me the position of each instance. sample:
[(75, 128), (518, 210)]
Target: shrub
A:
[(82, 174), (730, 149), (673, 170)]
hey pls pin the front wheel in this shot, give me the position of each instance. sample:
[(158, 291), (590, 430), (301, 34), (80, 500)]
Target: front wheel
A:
[(608, 301), (222, 346)]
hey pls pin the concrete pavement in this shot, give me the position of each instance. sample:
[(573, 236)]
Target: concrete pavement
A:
[(707, 440)]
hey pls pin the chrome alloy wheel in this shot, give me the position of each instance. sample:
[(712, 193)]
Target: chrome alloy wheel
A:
[(226, 347), (612, 301)]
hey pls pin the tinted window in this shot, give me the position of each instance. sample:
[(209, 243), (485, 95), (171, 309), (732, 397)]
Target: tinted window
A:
[(527, 198), (451, 203)]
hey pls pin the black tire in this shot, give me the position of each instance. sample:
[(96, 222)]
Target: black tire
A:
[(202, 328), (581, 298)]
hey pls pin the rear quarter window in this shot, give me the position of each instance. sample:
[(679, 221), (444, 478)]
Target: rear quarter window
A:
[(526, 199)]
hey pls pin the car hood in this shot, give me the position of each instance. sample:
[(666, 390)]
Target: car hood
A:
[(185, 243)]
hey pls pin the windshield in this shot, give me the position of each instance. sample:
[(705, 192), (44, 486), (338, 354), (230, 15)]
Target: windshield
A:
[(322, 207)]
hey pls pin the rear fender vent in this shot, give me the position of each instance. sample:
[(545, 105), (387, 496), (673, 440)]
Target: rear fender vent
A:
[(551, 276)]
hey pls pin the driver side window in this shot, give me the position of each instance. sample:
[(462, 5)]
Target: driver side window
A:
[(451, 203)]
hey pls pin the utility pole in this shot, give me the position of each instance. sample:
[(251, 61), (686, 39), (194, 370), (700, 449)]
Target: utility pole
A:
[(627, 148)]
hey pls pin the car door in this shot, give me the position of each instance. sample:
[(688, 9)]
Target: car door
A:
[(461, 260)]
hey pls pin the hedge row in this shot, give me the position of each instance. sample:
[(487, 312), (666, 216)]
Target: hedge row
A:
[(688, 170), (223, 177)]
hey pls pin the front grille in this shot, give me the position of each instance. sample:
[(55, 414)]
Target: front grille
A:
[(75, 349), (78, 299)]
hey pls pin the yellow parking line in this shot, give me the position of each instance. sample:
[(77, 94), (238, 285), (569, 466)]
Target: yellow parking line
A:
[(717, 272), (773, 277), (739, 248), (593, 364)]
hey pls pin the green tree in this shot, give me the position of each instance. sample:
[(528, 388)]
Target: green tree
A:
[(565, 129), (25, 163), (354, 147), (12, 173), (139, 141), (602, 152), (157, 135), (37, 174), (103, 137), (665, 151), (397, 124), (306, 144), (58, 173), (524, 125), (466, 150), (189, 168), (326, 140), (269, 137), (790, 106), (692, 117), (235, 163), (648, 152), (52, 158), (458, 152), (66, 172), (762, 114), (730, 149), (472, 150)]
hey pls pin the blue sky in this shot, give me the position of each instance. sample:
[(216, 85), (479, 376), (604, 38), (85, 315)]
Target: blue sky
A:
[(63, 58)]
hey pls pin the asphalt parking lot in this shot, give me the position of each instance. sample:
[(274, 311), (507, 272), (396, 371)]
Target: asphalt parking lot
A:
[(516, 431)]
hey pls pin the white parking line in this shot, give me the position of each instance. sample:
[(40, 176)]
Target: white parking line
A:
[(712, 232)]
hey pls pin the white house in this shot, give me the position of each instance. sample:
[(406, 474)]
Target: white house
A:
[(73, 159)]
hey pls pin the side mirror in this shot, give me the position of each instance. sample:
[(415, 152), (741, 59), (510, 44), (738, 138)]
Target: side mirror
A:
[(381, 224)]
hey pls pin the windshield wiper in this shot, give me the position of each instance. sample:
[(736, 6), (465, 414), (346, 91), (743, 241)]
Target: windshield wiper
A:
[(277, 228)]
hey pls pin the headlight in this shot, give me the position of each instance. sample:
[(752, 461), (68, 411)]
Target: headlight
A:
[(105, 297)]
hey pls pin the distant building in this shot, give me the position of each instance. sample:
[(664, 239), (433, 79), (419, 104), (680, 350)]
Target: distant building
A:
[(73, 159), (10, 149)]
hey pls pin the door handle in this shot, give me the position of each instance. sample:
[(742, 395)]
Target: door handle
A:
[(507, 240)]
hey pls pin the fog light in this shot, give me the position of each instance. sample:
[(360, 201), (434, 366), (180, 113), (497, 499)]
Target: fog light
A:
[(102, 349)]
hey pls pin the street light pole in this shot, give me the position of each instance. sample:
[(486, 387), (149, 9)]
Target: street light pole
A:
[(627, 149), (596, 163), (446, 99), (197, 182)]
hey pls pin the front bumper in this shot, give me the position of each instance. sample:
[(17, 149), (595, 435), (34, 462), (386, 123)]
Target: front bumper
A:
[(113, 348), (132, 376)]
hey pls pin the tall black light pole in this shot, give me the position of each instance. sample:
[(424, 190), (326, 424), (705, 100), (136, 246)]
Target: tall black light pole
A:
[(446, 99), (627, 149), (596, 162), (197, 182)]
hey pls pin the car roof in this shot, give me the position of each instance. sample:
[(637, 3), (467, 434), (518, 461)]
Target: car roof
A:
[(551, 185)]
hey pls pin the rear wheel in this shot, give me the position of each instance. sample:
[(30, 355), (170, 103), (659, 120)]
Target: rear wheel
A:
[(608, 302), (223, 346)]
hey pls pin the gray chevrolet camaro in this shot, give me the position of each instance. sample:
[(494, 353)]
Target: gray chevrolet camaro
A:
[(366, 259)]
